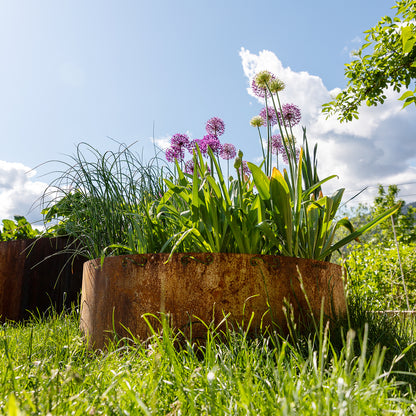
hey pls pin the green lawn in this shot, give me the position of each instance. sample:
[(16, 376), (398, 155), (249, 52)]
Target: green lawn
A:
[(46, 369)]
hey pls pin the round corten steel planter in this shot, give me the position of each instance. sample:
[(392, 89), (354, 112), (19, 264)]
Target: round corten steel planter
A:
[(29, 271), (191, 288)]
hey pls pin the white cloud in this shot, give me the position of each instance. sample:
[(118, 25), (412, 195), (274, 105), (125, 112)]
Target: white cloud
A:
[(161, 142), (377, 148), (19, 192)]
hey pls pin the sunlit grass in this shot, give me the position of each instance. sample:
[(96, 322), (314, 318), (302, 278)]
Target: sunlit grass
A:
[(45, 368)]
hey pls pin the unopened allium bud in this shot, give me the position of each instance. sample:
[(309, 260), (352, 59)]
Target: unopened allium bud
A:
[(257, 121)]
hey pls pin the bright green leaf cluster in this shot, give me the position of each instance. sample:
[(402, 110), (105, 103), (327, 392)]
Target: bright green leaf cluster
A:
[(387, 59), (18, 229)]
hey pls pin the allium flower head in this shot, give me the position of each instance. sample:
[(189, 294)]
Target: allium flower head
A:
[(201, 145), (257, 121), (263, 78), (270, 113), (211, 141), (180, 140), (244, 168), (174, 152), (291, 115), (228, 151), (276, 145), (189, 166), (215, 126), (276, 85), (290, 142), (260, 82)]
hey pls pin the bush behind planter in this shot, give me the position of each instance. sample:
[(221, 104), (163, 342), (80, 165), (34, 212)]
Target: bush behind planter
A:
[(375, 276)]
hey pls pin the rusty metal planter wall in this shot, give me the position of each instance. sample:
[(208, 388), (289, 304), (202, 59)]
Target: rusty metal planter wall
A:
[(29, 277), (205, 286)]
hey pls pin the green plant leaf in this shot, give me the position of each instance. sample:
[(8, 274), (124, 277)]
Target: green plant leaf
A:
[(261, 180), (360, 231)]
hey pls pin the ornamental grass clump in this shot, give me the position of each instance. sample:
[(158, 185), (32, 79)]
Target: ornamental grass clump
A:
[(106, 202)]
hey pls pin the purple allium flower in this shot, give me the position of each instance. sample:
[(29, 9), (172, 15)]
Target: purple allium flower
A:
[(284, 156), (276, 145), (271, 114), (297, 154), (245, 168), (291, 115), (173, 153), (211, 141), (291, 144), (180, 140), (228, 151), (201, 145), (260, 82), (215, 126), (189, 166)]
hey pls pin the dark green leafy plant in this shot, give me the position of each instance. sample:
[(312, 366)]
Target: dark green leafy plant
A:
[(18, 229)]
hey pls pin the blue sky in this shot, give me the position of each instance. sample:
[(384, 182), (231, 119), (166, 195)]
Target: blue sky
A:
[(81, 70)]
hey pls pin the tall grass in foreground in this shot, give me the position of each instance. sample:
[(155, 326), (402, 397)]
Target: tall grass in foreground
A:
[(104, 200), (46, 369)]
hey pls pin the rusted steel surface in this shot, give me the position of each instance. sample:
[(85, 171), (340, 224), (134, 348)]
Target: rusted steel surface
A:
[(12, 264), (203, 286), (29, 282)]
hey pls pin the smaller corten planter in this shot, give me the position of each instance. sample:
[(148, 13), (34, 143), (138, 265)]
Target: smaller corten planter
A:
[(206, 286), (29, 282)]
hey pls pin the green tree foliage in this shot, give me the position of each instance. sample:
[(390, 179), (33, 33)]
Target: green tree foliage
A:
[(386, 59), (404, 222)]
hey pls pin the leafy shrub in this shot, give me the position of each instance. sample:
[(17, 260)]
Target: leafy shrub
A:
[(375, 275), (18, 229)]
